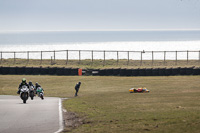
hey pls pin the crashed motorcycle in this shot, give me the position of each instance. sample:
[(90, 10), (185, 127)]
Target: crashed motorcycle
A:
[(139, 90), (24, 93), (31, 92), (40, 92)]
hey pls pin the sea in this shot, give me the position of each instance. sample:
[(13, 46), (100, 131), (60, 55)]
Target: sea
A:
[(136, 42)]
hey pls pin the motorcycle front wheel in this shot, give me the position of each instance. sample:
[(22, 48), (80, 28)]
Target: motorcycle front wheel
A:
[(24, 101), (31, 95)]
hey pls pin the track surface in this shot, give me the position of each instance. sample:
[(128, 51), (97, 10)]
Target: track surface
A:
[(36, 116)]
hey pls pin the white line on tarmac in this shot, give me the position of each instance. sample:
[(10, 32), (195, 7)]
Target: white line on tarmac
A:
[(60, 117)]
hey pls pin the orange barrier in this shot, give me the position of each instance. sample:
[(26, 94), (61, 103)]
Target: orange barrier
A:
[(79, 72)]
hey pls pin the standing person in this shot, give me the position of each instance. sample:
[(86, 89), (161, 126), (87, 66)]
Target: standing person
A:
[(77, 88), (21, 84)]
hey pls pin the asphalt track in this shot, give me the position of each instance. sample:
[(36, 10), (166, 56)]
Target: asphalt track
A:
[(36, 116)]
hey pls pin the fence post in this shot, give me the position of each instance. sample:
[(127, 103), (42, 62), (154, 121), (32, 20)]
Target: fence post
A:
[(14, 57), (66, 56), (164, 57), (54, 56), (187, 56), (41, 58), (51, 61), (176, 57), (79, 56), (152, 58), (128, 57), (199, 56), (92, 56), (1, 56), (141, 59), (27, 56), (104, 57), (117, 57)]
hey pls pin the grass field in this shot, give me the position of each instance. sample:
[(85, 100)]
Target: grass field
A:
[(105, 104), (89, 64)]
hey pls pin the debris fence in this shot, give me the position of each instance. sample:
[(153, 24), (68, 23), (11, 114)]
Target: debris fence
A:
[(103, 55)]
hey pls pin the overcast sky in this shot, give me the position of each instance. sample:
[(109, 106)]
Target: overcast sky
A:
[(45, 15)]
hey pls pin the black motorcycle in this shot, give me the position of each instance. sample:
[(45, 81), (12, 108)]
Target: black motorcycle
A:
[(31, 92)]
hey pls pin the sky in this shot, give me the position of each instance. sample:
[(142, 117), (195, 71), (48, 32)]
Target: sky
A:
[(69, 15)]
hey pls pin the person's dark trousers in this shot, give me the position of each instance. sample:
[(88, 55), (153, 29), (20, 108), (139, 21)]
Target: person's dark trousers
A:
[(76, 94)]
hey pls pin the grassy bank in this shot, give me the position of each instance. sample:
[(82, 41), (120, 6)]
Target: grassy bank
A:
[(100, 63), (106, 105)]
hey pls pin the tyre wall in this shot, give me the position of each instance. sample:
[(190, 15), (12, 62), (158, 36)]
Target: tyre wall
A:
[(196, 71), (95, 72), (102, 72), (189, 71), (60, 71), (109, 72), (135, 72), (67, 71), (142, 72), (99, 72), (128, 72), (12, 70), (149, 72), (155, 72), (122, 72), (116, 71), (5, 70), (74, 71), (161, 72), (28, 70), (44, 71), (175, 71), (38, 71), (168, 71), (20, 70)]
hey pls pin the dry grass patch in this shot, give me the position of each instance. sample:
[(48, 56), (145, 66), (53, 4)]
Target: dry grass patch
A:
[(96, 64)]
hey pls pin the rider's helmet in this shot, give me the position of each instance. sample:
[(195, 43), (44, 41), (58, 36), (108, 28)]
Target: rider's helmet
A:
[(79, 83), (36, 84), (23, 81), (30, 83)]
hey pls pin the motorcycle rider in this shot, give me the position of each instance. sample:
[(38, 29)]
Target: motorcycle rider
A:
[(21, 84), (31, 84), (36, 87)]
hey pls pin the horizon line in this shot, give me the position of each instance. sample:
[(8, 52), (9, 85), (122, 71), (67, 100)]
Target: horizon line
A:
[(10, 31)]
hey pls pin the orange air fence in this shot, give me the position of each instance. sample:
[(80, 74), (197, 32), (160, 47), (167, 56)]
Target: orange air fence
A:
[(79, 72)]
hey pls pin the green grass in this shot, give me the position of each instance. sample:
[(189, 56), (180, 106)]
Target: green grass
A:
[(171, 106)]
